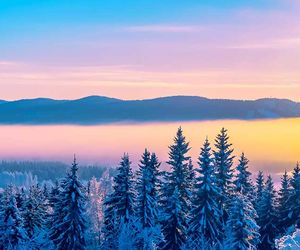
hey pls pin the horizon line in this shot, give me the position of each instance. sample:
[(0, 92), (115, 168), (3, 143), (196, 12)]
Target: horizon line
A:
[(144, 99)]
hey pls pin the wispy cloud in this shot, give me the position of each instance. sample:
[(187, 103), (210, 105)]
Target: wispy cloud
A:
[(8, 63), (287, 43), (165, 28)]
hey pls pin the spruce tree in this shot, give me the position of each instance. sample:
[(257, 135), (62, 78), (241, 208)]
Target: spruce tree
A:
[(20, 198), (147, 176), (119, 204), (242, 232), (68, 231), (46, 191), (53, 195), (156, 176), (206, 212), (34, 217), (12, 233), (267, 216), (223, 161), (176, 194), (283, 203), (175, 229), (130, 233), (34, 212), (243, 183), (294, 199), (260, 184), (147, 197)]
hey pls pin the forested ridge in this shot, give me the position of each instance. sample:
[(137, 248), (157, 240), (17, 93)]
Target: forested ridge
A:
[(101, 109)]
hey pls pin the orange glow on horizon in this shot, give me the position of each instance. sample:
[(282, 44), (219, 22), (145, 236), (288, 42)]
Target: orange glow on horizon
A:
[(271, 145)]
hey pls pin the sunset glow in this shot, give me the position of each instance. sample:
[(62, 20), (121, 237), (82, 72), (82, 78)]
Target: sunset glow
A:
[(271, 145), (237, 49)]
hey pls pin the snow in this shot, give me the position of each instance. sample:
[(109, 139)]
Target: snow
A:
[(289, 242)]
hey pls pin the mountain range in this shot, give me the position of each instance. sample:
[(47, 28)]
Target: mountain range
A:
[(99, 109)]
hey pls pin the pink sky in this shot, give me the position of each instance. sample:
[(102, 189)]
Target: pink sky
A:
[(243, 53)]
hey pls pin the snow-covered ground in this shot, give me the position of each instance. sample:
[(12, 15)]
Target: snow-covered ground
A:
[(289, 242)]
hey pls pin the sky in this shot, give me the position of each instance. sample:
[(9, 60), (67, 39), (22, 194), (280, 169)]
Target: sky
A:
[(143, 49)]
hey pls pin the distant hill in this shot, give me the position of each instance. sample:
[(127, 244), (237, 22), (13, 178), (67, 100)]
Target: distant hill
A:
[(98, 109)]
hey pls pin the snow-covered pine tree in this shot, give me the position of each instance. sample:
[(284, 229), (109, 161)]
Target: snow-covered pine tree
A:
[(176, 194), (205, 217), (34, 215), (119, 204), (155, 164), (12, 233), (130, 232), (175, 229), (68, 231), (144, 201), (243, 183), (294, 199), (34, 212), (199, 244), (260, 185), (283, 203), (147, 199), (242, 232), (147, 189), (267, 219), (110, 230), (53, 195), (46, 191), (20, 197), (223, 161)]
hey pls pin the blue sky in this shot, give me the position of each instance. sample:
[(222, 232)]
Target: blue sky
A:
[(26, 19), (140, 49)]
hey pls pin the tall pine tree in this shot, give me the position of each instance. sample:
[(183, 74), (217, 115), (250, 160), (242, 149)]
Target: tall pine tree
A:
[(242, 232), (243, 183), (176, 194), (267, 216), (147, 198), (294, 199), (12, 233), (223, 161), (145, 209), (34, 212), (206, 211), (283, 203), (68, 231), (119, 204), (260, 185)]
